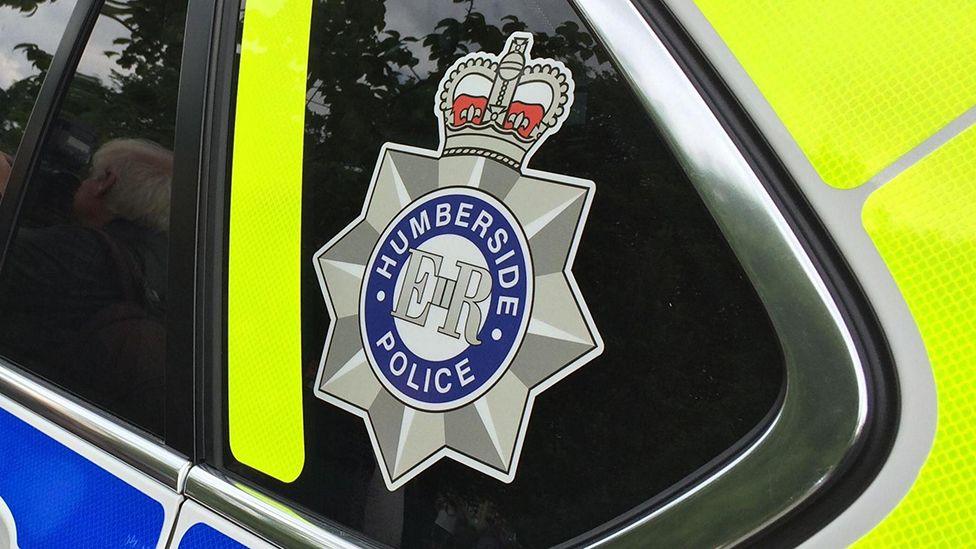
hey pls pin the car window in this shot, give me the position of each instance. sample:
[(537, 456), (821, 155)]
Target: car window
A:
[(83, 289), (518, 320), (29, 34)]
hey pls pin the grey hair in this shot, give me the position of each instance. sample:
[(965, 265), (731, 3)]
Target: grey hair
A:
[(144, 177)]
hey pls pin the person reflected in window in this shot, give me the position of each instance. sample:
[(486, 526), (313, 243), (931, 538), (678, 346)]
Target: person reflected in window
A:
[(83, 302)]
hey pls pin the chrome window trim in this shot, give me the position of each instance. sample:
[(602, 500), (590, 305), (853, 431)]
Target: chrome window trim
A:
[(840, 212), (134, 448), (263, 515), (825, 405)]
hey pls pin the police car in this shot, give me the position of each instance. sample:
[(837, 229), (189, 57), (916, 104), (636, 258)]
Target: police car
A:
[(472, 273)]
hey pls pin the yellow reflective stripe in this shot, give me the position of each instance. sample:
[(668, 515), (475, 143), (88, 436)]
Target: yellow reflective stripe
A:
[(857, 83), (924, 224), (264, 353)]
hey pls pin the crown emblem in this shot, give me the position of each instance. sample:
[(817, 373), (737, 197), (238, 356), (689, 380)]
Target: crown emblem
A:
[(503, 106)]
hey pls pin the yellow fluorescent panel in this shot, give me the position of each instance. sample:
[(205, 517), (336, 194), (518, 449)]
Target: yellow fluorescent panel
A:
[(857, 83), (264, 354), (924, 224)]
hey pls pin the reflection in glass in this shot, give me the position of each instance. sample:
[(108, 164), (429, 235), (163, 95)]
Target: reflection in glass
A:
[(29, 34), (83, 290)]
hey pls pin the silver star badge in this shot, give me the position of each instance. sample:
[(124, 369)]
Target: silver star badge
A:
[(452, 299)]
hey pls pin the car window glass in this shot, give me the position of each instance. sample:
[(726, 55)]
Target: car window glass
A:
[(688, 366), (83, 289), (29, 34)]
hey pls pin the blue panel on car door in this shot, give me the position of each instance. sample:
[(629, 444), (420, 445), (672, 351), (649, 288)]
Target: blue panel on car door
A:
[(57, 498), (201, 536)]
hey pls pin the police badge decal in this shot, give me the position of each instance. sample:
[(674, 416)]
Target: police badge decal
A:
[(452, 299)]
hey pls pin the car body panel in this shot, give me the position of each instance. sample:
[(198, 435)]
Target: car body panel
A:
[(62, 490), (923, 224), (857, 84), (908, 109), (200, 528)]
